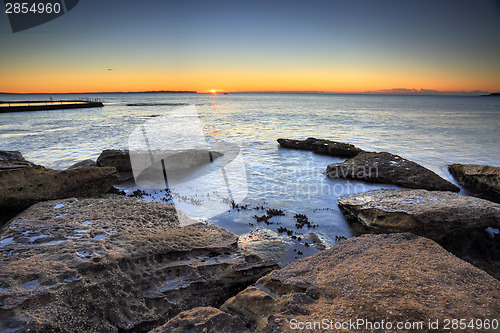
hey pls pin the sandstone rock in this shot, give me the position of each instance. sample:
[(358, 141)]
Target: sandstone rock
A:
[(432, 214), (202, 320), (456, 222), (175, 160), (8, 155), (14, 165), (84, 163), (263, 243), (23, 183), (120, 159), (105, 265), (394, 278), (321, 146), (481, 180), (389, 169)]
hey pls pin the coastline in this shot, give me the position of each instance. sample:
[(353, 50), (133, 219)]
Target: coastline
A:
[(95, 229)]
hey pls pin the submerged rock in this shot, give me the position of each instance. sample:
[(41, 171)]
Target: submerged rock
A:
[(263, 243), (391, 278), (481, 180), (431, 214), (113, 264), (388, 168), (23, 183), (84, 163), (321, 146)]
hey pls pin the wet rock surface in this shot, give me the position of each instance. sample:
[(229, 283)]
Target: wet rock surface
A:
[(174, 161), (118, 158), (321, 146), (23, 183), (432, 214), (264, 243), (388, 168), (113, 264), (456, 222), (481, 180), (394, 277)]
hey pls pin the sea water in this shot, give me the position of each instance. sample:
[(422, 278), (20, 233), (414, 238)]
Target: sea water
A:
[(433, 131)]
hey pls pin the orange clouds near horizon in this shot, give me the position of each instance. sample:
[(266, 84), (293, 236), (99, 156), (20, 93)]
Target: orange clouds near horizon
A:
[(231, 81)]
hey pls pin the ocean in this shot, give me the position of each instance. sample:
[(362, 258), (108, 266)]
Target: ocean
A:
[(433, 131)]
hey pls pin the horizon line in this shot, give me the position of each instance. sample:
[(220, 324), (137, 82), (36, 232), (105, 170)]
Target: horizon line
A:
[(396, 91)]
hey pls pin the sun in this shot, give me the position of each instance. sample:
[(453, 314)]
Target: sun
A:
[(213, 91)]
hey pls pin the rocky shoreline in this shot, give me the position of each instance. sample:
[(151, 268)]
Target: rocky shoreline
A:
[(76, 258)]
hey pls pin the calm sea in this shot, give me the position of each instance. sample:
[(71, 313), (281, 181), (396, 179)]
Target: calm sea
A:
[(431, 130)]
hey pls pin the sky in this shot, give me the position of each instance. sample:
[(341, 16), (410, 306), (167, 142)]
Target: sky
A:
[(331, 46)]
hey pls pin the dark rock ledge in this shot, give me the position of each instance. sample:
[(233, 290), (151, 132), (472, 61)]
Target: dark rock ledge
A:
[(376, 167), (480, 180), (455, 221), (23, 183)]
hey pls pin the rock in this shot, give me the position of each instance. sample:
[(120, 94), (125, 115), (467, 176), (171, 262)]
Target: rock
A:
[(319, 241), (389, 169), (391, 278), (432, 214), (23, 183), (263, 243), (456, 222), (8, 155), (7, 165), (202, 320), (175, 160), (120, 159), (254, 306), (113, 264), (84, 163), (481, 180), (321, 146)]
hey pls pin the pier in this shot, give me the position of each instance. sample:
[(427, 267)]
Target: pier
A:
[(23, 106)]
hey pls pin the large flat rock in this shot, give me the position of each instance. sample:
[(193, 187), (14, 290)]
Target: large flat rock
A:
[(432, 214), (321, 146), (388, 168), (174, 160), (111, 264), (481, 180), (23, 183), (395, 278)]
